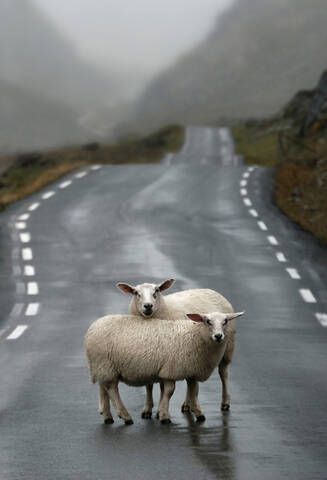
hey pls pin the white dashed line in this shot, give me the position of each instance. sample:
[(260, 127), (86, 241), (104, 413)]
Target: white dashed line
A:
[(96, 167), (307, 295), (322, 319), (25, 237), (20, 225), (65, 184), (27, 254), (280, 257), (32, 288), (17, 310), (17, 332), (246, 175), (29, 271), (47, 195), (32, 309), (293, 273), (272, 240), (251, 169), (243, 183), (253, 212), (33, 207), (80, 174), (262, 225), (247, 202), (243, 191), (25, 216)]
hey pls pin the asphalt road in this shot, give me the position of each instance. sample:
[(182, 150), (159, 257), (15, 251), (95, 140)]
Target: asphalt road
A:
[(181, 219)]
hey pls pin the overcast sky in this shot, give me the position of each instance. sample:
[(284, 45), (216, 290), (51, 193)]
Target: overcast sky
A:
[(142, 35)]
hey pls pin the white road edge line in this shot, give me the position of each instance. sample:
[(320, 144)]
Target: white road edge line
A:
[(34, 206), (247, 202), (80, 174), (25, 237), (246, 175), (27, 254), (243, 191), (32, 288), (272, 240), (280, 257), (96, 167), (19, 330), (65, 184), (262, 225), (29, 271), (47, 195), (253, 212), (20, 225), (293, 273), (32, 309), (243, 183), (307, 295), (25, 216), (322, 319)]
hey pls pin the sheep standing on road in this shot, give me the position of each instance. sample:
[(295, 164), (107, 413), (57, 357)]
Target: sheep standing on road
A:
[(137, 352), (149, 302)]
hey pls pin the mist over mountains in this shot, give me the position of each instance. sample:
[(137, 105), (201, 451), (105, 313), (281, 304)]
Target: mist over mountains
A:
[(259, 54), (45, 87)]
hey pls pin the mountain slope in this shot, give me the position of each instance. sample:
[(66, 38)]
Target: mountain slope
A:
[(260, 53)]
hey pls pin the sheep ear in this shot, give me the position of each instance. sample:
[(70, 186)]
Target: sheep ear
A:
[(124, 287), (166, 284), (196, 317), (231, 316)]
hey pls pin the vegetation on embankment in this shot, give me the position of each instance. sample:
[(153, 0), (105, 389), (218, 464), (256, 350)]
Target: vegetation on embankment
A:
[(301, 155), (32, 171)]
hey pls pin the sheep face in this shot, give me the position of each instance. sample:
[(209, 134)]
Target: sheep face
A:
[(146, 296), (216, 322)]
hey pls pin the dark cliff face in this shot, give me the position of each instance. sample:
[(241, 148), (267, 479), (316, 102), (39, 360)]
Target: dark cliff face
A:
[(259, 54)]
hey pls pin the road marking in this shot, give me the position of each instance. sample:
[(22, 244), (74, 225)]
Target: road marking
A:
[(307, 295), (20, 288), (34, 206), (243, 183), (96, 167), (16, 270), (25, 216), (80, 174), (48, 195), (253, 212), (280, 257), (65, 184), (322, 318), (293, 273), (25, 237), (251, 169), (243, 191), (27, 254), (272, 240), (20, 225), (247, 202), (262, 225), (17, 332), (16, 310), (29, 271), (32, 309), (246, 175), (32, 288)]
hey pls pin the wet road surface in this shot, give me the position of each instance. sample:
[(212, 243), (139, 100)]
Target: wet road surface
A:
[(180, 219)]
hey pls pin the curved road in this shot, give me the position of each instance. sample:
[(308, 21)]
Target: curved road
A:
[(209, 223)]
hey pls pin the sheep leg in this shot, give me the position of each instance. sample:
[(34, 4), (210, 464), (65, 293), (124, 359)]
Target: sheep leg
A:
[(186, 405), (193, 391), (168, 390), (120, 408), (147, 410), (104, 405), (223, 373), (161, 395)]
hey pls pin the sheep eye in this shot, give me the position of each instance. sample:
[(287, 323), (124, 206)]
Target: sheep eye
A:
[(209, 322), (225, 322), (155, 293), (137, 293)]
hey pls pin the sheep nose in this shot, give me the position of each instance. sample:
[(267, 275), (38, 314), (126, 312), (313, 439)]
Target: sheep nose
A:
[(148, 306), (218, 337)]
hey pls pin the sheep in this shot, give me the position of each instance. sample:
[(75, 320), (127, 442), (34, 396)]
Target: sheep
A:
[(132, 350), (149, 302)]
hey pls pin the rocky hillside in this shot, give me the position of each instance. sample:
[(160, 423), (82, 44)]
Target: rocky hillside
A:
[(259, 54)]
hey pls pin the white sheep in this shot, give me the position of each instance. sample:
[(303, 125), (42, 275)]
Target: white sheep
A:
[(149, 302), (132, 350)]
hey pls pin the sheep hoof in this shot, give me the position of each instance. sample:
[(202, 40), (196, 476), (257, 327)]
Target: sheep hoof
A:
[(129, 422), (147, 415), (200, 419), (225, 407), (185, 408), (108, 421), (165, 421)]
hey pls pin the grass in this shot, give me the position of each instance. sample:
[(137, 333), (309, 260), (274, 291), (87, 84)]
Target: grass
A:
[(31, 172), (301, 179)]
